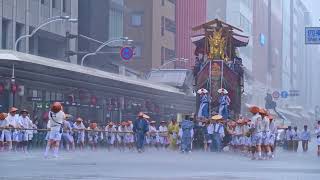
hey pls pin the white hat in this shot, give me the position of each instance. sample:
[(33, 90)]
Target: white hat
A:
[(222, 90), (202, 91)]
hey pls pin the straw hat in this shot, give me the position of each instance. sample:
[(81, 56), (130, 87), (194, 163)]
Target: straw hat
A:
[(270, 117), (140, 114), (240, 121), (222, 90), (202, 91), (123, 123), (145, 116), (163, 122), (263, 111), (3, 116), (254, 109), (13, 109), (110, 124), (217, 117), (152, 122), (24, 111)]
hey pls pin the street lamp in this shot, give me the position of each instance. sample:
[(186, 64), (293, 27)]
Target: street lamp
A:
[(122, 39), (174, 60), (48, 21)]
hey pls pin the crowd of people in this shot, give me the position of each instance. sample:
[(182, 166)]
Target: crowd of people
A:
[(254, 137)]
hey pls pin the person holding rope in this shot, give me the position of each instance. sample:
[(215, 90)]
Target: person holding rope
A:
[(67, 134), (78, 129), (56, 118), (256, 132), (25, 123), (3, 124)]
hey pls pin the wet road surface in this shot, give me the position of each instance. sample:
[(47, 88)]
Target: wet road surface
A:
[(157, 165)]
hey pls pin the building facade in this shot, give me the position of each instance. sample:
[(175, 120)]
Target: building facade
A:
[(21, 17), (189, 13), (100, 20), (152, 26), (238, 13)]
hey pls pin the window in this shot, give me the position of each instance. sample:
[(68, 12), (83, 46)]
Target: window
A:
[(59, 97), (162, 26), (245, 24), (162, 2), (53, 96), (248, 3), (172, 1), (5, 26), (162, 55), (53, 3), (64, 5), (170, 25), (48, 96), (137, 51), (136, 19), (169, 54)]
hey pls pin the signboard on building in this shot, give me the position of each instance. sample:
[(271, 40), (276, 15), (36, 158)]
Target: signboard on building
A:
[(312, 35)]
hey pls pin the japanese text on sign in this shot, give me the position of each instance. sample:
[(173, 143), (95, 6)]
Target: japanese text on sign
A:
[(312, 35)]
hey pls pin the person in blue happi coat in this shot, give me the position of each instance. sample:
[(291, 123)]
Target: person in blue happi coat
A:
[(204, 103), (140, 128), (224, 102), (187, 134)]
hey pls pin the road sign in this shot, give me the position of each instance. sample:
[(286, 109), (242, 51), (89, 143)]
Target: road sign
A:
[(284, 94), (312, 35), (276, 94), (126, 53)]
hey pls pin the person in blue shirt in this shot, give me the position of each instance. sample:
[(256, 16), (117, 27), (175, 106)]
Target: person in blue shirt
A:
[(140, 128), (204, 103), (224, 102), (187, 134), (305, 138)]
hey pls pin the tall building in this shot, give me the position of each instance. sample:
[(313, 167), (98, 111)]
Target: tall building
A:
[(101, 20), (21, 17), (152, 26), (189, 13), (298, 59), (237, 13)]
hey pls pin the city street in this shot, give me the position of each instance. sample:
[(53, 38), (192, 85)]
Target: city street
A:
[(157, 165)]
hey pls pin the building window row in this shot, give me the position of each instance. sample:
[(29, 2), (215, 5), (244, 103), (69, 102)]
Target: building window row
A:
[(245, 24), (248, 3), (55, 4), (172, 1), (136, 19), (170, 25), (167, 54)]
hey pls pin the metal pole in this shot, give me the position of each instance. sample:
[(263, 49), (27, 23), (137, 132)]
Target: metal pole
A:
[(99, 48), (222, 67), (38, 28)]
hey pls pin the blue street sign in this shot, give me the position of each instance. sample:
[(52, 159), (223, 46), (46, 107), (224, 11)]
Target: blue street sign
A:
[(262, 39), (312, 35), (284, 94), (126, 53)]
